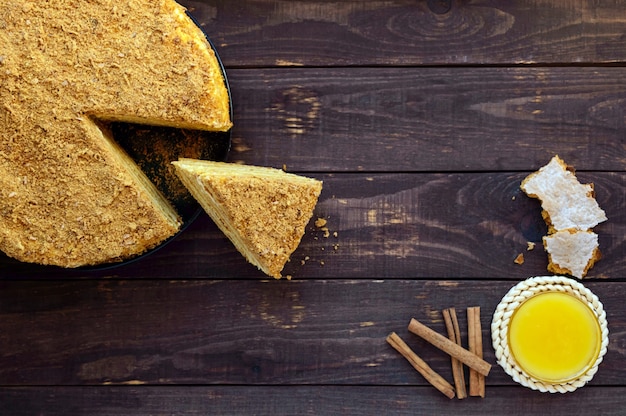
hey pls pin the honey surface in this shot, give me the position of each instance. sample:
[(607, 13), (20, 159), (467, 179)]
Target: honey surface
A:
[(554, 336)]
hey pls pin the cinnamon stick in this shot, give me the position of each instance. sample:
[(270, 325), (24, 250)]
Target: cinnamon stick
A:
[(454, 334), (420, 365), (466, 357), (474, 333)]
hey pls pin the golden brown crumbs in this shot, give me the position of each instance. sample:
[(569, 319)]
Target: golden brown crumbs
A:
[(320, 222)]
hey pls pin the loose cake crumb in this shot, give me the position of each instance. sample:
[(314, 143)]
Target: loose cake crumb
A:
[(519, 259), (531, 246)]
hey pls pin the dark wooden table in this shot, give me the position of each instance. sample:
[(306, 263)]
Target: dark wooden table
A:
[(421, 125)]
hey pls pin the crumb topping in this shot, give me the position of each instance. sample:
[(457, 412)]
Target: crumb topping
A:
[(67, 195)]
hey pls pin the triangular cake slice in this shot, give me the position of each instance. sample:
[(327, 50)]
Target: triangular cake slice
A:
[(263, 211)]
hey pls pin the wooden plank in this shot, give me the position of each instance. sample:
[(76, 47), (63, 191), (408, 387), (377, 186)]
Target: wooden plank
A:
[(455, 226), (310, 332), (429, 119), (300, 400), (406, 32)]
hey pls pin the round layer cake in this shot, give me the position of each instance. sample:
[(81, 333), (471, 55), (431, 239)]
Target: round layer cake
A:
[(69, 195)]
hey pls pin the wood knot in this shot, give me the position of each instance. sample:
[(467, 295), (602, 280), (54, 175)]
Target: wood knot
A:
[(440, 6), (298, 108)]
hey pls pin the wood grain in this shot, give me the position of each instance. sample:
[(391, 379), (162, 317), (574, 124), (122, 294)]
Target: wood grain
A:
[(196, 332), (406, 32), (429, 119), (300, 400)]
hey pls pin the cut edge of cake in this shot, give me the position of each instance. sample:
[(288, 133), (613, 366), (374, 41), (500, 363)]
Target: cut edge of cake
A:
[(156, 197)]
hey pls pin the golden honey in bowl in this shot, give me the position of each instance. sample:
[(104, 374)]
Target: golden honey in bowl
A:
[(554, 336)]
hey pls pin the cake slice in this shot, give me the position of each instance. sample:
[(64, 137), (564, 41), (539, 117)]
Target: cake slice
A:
[(263, 211)]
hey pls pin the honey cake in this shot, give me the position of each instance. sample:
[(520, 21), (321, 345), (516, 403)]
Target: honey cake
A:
[(263, 211), (69, 195)]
